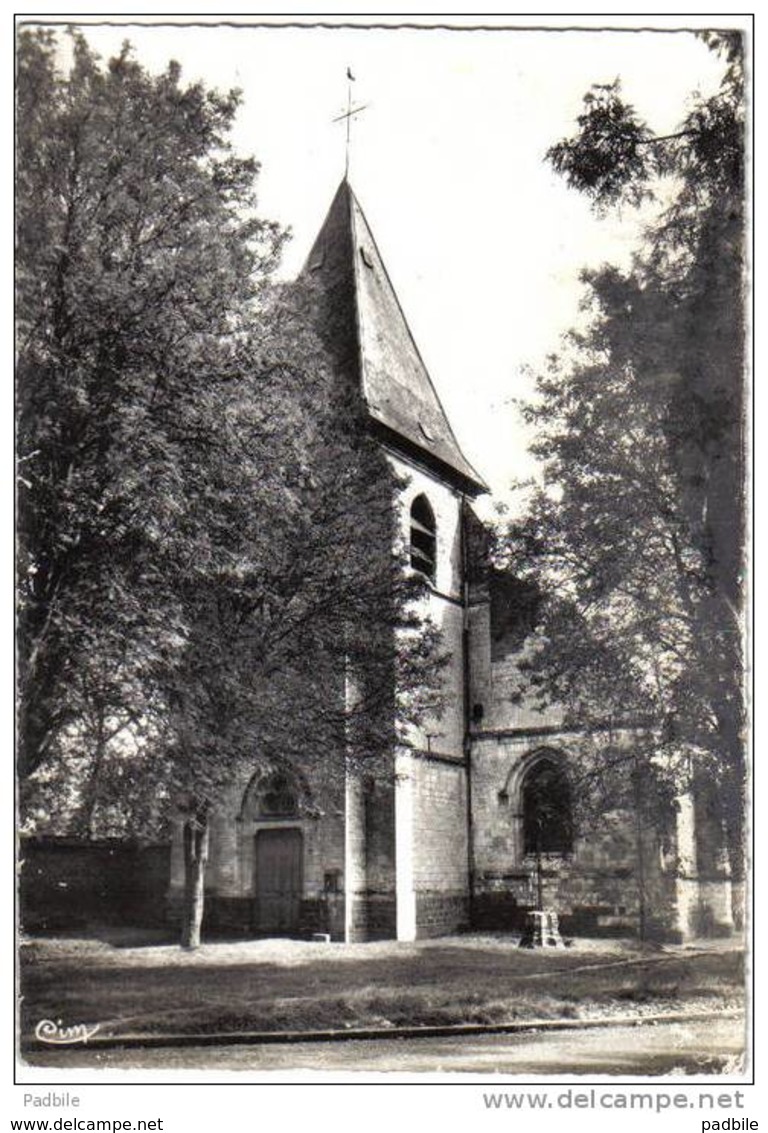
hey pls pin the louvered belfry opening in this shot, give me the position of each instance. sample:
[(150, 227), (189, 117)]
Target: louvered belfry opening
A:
[(423, 538)]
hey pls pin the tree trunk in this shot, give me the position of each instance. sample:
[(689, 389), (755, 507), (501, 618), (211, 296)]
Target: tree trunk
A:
[(734, 802), (196, 833), (90, 792), (642, 911), (735, 823)]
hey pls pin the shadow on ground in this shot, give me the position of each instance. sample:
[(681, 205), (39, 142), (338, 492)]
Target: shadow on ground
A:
[(134, 983)]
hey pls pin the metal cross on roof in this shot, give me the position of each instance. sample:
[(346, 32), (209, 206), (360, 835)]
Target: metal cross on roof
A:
[(348, 115)]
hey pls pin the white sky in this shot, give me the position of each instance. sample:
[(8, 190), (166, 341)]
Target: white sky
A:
[(483, 243)]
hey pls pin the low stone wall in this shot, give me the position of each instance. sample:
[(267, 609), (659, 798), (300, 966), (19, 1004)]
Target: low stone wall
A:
[(66, 883)]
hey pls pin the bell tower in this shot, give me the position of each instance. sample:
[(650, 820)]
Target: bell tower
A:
[(407, 862)]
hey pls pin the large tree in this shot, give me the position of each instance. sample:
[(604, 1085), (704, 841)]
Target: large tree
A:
[(307, 650), (138, 250), (206, 528), (636, 535)]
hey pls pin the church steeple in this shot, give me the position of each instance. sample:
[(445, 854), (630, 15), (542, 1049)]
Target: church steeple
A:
[(401, 400)]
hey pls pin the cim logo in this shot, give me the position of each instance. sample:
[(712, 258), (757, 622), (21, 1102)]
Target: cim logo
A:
[(47, 1031)]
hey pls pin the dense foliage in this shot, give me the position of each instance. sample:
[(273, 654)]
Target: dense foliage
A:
[(636, 535), (206, 562)]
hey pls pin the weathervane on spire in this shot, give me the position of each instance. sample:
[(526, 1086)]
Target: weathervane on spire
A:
[(348, 115)]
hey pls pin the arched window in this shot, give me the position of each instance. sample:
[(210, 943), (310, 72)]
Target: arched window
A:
[(547, 817), (423, 538), (273, 796), (277, 797)]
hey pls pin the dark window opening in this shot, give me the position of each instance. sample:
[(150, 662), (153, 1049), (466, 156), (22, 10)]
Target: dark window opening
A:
[(423, 538), (277, 798), (547, 819), (332, 881)]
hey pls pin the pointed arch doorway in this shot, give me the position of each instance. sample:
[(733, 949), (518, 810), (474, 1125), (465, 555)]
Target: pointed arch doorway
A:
[(272, 814)]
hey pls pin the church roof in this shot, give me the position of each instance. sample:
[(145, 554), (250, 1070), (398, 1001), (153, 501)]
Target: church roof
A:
[(396, 387)]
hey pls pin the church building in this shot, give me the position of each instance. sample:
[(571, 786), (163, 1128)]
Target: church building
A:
[(476, 823)]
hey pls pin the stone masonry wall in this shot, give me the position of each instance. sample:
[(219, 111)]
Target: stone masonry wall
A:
[(230, 871), (371, 856), (599, 888), (445, 733), (66, 883), (440, 865), (495, 698), (439, 820)]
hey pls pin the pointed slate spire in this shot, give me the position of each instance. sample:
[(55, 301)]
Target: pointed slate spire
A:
[(398, 392)]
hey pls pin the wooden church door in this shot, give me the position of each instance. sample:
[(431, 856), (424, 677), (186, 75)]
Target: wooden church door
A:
[(278, 879)]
